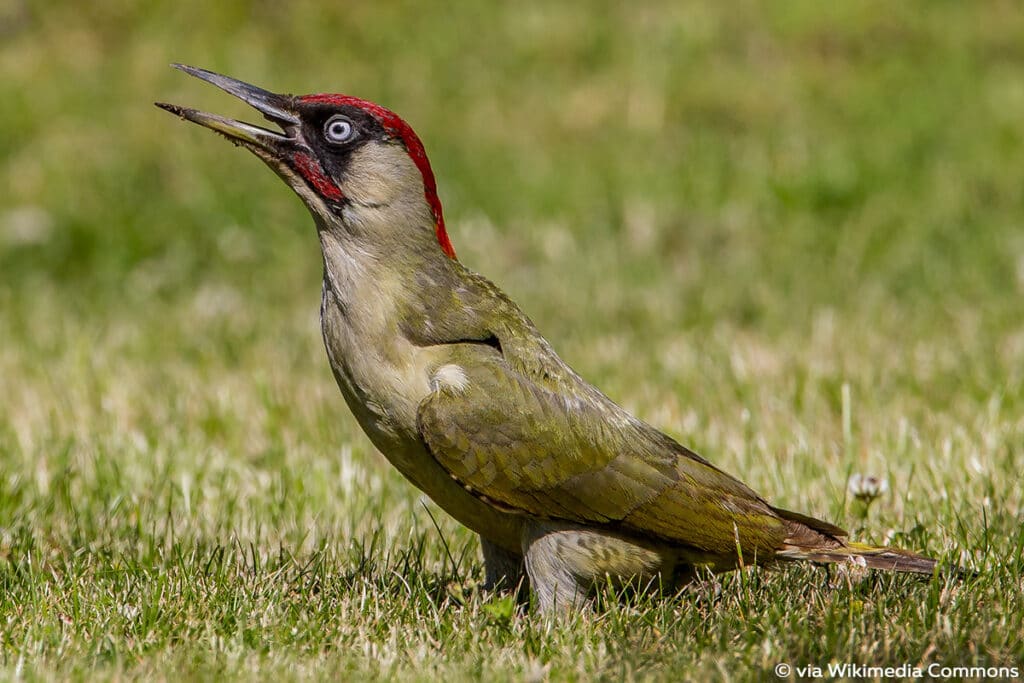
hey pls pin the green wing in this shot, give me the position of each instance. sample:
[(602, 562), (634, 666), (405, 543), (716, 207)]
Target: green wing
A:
[(576, 456)]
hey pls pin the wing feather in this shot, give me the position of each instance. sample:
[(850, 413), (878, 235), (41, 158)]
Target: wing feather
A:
[(547, 453)]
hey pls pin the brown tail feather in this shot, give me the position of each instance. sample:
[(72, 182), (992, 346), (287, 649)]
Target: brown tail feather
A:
[(813, 540), (890, 559)]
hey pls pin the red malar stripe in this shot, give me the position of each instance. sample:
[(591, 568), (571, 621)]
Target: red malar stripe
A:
[(315, 176)]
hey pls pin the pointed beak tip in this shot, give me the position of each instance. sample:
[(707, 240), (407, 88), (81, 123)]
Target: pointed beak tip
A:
[(180, 112), (277, 108)]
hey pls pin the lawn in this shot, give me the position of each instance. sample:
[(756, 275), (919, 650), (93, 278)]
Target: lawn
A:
[(790, 234)]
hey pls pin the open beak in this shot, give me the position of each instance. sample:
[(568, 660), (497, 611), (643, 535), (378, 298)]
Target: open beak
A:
[(276, 108)]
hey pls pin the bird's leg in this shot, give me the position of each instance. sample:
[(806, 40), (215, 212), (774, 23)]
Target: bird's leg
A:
[(554, 577), (565, 561), (503, 569)]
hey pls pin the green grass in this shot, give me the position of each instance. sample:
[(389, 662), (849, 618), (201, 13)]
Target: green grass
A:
[(726, 216)]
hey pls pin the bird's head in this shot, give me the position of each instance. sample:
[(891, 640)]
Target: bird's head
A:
[(358, 166)]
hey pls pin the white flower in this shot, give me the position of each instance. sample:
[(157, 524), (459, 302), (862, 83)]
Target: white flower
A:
[(867, 487)]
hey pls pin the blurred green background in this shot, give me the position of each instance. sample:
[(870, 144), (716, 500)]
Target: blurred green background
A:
[(767, 161), (729, 216)]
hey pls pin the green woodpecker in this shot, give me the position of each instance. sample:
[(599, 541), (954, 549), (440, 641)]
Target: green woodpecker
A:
[(458, 389)]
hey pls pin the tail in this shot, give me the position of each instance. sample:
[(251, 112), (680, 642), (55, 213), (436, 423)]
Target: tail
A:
[(889, 559), (812, 540)]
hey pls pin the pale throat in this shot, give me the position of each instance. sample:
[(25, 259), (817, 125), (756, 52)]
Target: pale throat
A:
[(385, 230), (382, 176)]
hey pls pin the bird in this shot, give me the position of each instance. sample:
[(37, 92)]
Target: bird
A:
[(456, 386)]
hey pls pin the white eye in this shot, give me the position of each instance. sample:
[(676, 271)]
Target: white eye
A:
[(338, 129)]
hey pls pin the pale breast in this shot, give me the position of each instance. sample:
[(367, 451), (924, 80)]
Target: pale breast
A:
[(383, 382), (384, 396)]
